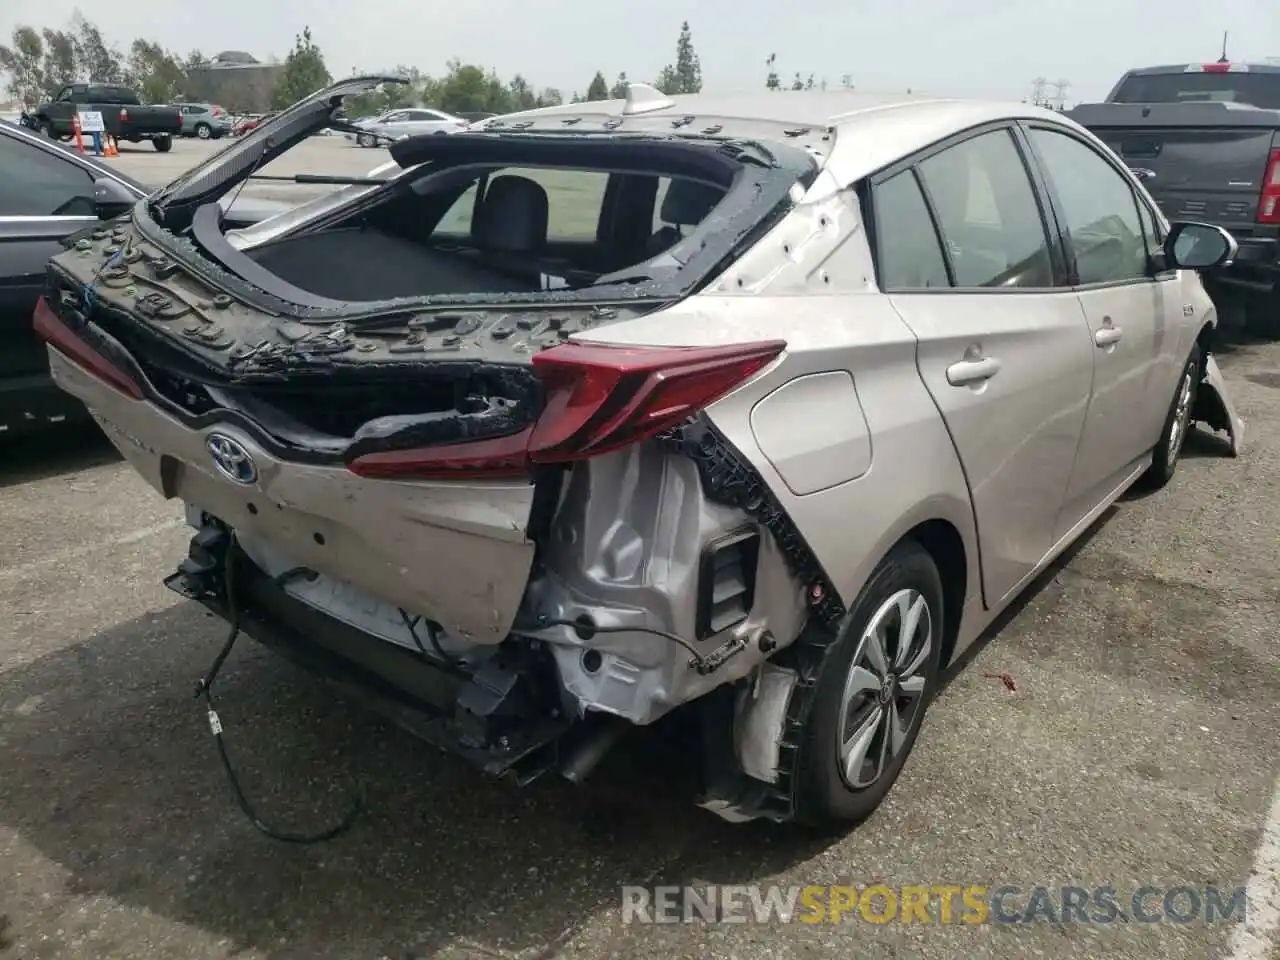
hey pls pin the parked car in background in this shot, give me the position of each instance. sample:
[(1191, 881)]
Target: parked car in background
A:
[(397, 124), (1205, 139), (760, 406), (49, 192), (249, 122), (207, 121), (123, 114), (474, 116)]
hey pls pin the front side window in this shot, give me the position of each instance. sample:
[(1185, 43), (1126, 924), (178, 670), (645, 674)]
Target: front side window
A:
[(38, 183), (908, 253), (988, 213), (1098, 208)]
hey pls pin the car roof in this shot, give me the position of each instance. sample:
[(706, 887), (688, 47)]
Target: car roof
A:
[(1238, 67), (855, 131)]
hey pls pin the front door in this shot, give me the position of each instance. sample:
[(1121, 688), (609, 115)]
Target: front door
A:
[(1005, 353), (1128, 310)]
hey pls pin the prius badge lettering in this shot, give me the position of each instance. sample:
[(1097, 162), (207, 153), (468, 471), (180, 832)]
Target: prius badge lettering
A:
[(231, 459)]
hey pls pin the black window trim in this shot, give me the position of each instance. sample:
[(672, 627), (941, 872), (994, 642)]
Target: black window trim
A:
[(1025, 128), (1054, 238)]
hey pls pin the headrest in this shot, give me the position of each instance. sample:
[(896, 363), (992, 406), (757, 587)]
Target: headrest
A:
[(512, 216), (688, 202)]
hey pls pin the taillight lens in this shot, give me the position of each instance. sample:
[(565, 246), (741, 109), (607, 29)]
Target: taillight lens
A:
[(1269, 205), (66, 341), (124, 113), (598, 399)]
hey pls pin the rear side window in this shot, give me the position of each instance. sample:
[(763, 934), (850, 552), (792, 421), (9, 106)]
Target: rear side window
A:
[(1099, 209), (988, 214), (1258, 89), (908, 253), (37, 183)]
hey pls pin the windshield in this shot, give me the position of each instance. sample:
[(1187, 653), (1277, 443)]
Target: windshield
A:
[(1257, 89)]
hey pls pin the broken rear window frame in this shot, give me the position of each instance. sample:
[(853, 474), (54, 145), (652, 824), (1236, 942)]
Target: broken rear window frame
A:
[(759, 192)]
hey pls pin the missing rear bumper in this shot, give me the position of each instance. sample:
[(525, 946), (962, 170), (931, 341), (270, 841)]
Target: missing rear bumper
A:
[(504, 716)]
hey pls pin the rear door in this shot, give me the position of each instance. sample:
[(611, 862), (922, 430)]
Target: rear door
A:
[(43, 198), (966, 257), (1134, 315)]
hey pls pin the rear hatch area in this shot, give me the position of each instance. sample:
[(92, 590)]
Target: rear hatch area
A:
[(386, 396)]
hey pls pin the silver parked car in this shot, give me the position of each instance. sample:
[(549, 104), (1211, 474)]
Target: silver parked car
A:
[(208, 121), (398, 124), (759, 407)]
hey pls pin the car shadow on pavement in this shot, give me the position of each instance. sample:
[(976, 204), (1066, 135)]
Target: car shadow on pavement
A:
[(109, 771), (54, 452)]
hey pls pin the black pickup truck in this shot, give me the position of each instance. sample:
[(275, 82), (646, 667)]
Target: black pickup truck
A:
[(123, 114), (1205, 141)]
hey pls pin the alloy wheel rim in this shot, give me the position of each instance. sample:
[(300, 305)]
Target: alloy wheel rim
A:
[(1181, 415), (884, 693), (202, 133)]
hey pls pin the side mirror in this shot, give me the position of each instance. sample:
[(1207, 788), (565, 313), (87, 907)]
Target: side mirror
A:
[(111, 198), (1199, 246)]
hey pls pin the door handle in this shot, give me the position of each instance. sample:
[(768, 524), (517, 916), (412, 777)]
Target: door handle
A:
[(1107, 336), (968, 372)]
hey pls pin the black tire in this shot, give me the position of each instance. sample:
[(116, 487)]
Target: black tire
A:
[(46, 128), (1164, 458), (364, 140), (204, 131), (162, 144), (821, 795)]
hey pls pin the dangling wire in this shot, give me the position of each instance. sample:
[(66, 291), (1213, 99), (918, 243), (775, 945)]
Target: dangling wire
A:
[(204, 688)]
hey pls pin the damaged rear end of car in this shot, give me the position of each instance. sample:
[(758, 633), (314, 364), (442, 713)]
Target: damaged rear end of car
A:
[(407, 463)]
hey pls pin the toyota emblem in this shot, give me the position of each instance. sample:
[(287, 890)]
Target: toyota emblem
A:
[(231, 459)]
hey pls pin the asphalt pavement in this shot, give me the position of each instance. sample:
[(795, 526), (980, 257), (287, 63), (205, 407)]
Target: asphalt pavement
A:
[(1139, 745)]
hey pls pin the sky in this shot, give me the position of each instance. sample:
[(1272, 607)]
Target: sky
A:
[(961, 47)]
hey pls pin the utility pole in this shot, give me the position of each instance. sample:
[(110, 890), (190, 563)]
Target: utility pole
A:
[(1060, 88), (1038, 86)]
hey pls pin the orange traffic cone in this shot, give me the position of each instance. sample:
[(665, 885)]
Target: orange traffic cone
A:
[(75, 128), (109, 149)]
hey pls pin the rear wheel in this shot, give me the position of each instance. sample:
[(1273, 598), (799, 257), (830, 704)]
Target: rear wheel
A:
[(1164, 459), (872, 690), (163, 144), (45, 127), (364, 140), (204, 131)]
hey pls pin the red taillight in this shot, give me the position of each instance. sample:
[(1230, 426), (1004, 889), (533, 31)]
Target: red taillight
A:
[(124, 113), (598, 399), (1216, 67), (1269, 204), (65, 340), (217, 111)]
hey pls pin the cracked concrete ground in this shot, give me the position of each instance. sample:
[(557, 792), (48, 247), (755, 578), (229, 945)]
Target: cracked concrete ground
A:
[(1141, 746)]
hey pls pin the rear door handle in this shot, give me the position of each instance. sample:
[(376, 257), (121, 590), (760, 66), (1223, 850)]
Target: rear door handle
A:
[(1107, 336), (968, 372)]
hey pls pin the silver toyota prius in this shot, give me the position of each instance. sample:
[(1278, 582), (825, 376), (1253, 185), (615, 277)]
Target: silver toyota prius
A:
[(759, 408)]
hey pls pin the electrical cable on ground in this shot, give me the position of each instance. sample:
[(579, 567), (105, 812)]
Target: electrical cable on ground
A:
[(204, 688)]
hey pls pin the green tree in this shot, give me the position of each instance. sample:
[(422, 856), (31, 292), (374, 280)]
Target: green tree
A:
[(521, 94), (59, 64), (550, 97), (685, 75), (771, 82), (619, 90), (464, 88), (797, 83), (96, 60), (598, 89), (23, 61), (154, 72), (304, 72)]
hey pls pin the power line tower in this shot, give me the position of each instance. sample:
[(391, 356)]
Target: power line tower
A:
[(1038, 86), (1060, 88)]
